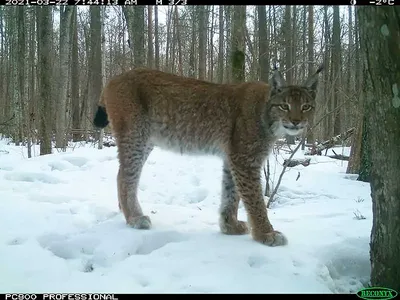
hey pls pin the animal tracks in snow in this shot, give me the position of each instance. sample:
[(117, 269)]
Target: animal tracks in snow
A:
[(93, 251)]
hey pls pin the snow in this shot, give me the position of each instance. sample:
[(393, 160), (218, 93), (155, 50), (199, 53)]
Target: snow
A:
[(61, 230)]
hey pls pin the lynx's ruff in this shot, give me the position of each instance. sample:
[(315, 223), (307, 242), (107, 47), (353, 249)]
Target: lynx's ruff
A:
[(237, 122)]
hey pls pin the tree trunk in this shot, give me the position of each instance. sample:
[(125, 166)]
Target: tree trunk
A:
[(103, 66), (295, 32), (380, 32), (32, 83), (228, 61), (263, 43), (272, 19), (353, 167), (327, 130), (220, 75), (156, 39), (336, 70), (348, 107), (192, 53), (167, 50), (310, 134), (178, 41), (238, 47), (44, 32), (150, 52), (134, 17), (13, 90), (252, 60), (86, 106), (173, 41), (304, 52), (21, 22), (211, 47), (94, 62), (76, 120), (354, 164), (288, 34), (66, 13), (202, 14)]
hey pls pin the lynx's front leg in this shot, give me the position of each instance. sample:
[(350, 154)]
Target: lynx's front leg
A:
[(248, 183), (228, 221), (132, 152)]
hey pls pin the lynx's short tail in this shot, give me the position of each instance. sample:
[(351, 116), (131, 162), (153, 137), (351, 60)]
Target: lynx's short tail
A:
[(101, 117)]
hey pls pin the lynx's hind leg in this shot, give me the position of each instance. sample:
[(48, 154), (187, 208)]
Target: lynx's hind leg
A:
[(133, 151), (121, 187), (228, 221)]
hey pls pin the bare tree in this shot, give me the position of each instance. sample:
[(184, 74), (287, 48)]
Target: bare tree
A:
[(354, 164), (21, 72), (238, 46), (228, 37), (94, 63), (32, 99), (134, 16), (263, 43), (75, 107), (310, 50), (288, 34), (44, 36), (211, 45), (178, 41), (150, 51), (382, 99), (156, 39), (202, 15), (328, 123), (66, 13), (220, 72), (336, 70), (192, 52)]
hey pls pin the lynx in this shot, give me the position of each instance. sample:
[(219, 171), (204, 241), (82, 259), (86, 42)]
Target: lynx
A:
[(237, 122)]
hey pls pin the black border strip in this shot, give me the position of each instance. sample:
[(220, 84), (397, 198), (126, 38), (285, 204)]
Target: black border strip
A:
[(106, 296), (184, 2)]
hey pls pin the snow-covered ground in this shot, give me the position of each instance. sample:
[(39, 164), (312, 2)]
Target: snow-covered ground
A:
[(61, 230)]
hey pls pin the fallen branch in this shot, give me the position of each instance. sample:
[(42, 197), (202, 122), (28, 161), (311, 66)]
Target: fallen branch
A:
[(339, 157), (317, 149), (295, 162), (109, 144)]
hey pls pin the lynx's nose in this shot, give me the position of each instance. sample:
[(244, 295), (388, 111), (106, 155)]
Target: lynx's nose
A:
[(295, 122)]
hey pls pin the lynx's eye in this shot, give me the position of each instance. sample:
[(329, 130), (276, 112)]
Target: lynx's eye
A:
[(284, 107), (306, 107)]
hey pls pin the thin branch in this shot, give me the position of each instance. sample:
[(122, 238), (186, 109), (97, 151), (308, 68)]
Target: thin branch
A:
[(271, 198)]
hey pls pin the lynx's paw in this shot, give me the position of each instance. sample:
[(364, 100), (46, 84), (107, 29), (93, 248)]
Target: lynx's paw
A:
[(233, 227), (141, 222), (273, 238)]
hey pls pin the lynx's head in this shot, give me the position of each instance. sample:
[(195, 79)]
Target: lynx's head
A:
[(291, 106)]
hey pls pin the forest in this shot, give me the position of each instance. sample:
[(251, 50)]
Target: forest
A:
[(55, 60)]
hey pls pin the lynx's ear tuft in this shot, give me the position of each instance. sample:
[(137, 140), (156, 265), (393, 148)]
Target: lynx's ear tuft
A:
[(312, 81), (277, 81)]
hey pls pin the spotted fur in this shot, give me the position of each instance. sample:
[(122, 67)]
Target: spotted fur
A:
[(237, 122)]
